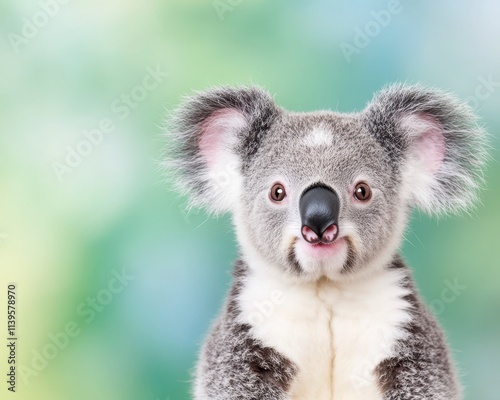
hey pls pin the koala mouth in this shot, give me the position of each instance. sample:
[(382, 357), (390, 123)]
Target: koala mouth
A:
[(300, 250), (321, 250), (319, 244)]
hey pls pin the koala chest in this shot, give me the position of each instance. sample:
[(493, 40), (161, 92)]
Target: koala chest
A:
[(336, 336)]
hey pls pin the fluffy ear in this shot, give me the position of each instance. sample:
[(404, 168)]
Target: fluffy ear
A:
[(211, 135), (434, 141)]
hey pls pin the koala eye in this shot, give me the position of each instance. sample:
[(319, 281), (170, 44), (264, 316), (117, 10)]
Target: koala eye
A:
[(277, 193), (362, 192)]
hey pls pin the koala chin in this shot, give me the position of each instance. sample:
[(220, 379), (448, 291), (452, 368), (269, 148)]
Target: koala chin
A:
[(322, 306)]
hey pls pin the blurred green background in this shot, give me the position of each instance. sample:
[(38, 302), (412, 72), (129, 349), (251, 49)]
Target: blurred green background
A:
[(71, 224)]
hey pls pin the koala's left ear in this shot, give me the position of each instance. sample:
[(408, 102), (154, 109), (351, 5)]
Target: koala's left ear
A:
[(211, 135), (434, 141)]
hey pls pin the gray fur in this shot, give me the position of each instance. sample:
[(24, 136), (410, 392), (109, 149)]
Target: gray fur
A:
[(423, 368), (185, 124), (465, 141), (235, 366), (375, 145)]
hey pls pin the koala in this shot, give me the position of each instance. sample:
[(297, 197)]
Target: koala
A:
[(322, 306)]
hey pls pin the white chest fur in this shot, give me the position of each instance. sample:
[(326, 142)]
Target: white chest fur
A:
[(336, 334)]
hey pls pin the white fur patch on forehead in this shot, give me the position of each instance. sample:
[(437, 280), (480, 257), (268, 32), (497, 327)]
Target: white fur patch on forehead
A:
[(318, 136)]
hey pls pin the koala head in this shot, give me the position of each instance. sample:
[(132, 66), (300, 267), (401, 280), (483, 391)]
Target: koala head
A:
[(325, 194)]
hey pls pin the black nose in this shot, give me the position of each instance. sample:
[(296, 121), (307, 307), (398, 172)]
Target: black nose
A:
[(319, 211)]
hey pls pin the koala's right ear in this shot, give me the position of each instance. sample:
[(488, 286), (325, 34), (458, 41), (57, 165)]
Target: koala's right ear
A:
[(434, 140), (211, 135)]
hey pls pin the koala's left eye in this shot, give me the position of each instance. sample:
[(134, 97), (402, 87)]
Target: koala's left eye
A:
[(362, 192), (277, 193)]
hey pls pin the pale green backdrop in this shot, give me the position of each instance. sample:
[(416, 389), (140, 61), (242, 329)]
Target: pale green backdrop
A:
[(116, 285)]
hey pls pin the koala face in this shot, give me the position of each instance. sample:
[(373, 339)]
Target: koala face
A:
[(325, 194), (326, 150)]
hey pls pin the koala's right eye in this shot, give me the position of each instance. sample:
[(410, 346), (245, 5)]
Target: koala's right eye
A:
[(277, 193)]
